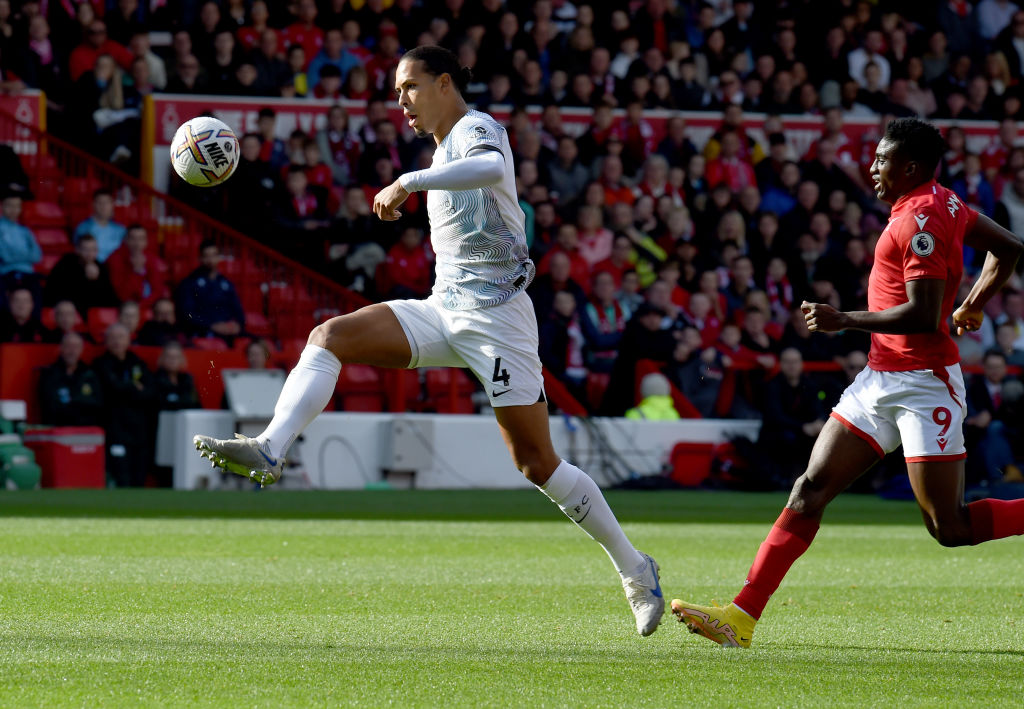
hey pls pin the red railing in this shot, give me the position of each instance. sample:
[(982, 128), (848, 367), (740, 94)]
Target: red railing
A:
[(292, 297)]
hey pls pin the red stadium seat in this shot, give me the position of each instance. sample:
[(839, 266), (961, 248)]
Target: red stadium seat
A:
[(47, 263), (40, 167), (78, 191), (210, 344), (38, 214), (404, 389), (99, 319), (360, 388), (449, 391), (49, 189), (597, 385), (257, 324), (137, 212), (50, 239)]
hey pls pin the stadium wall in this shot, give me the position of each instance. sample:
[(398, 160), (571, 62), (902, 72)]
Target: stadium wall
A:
[(340, 451)]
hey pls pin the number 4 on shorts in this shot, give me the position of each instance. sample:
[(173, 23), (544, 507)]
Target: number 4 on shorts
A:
[(500, 375)]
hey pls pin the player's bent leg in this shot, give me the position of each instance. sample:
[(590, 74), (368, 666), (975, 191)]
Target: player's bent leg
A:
[(839, 457), (526, 430), (939, 489), (371, 335)]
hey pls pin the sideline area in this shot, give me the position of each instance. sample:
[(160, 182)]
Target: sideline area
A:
[(697, 507)]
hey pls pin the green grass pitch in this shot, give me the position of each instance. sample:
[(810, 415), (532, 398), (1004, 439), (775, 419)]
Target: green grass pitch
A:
[(467, 599)]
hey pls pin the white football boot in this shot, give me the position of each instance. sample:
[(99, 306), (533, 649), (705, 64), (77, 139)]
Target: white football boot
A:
[(242, 456), (643, 591)]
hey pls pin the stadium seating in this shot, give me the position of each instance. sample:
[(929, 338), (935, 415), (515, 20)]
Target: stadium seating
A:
[(448, 391)]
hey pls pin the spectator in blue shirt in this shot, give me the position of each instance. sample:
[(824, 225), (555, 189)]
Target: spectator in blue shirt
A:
[(207, 301), (19, 251), (333, 53), (108, 233)]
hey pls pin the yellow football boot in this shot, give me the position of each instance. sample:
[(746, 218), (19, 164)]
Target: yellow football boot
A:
[(728, 626)]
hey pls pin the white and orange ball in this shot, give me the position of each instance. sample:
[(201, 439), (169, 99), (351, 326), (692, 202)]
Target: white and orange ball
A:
[(204, 151)]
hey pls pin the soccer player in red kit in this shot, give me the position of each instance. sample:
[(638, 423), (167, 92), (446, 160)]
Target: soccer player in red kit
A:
[(911, 392)]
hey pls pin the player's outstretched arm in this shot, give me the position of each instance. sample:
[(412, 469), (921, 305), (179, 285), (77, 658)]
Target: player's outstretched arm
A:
[(481, 168), (921, 313), (1004, 249)]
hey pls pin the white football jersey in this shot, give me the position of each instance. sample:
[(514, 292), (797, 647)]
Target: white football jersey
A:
[(478, 235)]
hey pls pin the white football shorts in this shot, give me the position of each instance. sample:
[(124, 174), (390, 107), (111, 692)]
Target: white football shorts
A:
[(923, 409), (498, 343)]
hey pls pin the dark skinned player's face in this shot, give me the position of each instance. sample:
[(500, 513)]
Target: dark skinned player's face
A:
[(420, 95), (893, 174)]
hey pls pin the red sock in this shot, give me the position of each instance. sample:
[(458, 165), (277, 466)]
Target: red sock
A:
[(995, 519), (792, 534)]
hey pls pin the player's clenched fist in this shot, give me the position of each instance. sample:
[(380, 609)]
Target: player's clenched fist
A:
[(822, 318), (967, 319), (387, 201)]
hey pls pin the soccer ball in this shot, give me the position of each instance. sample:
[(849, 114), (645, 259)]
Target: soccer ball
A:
[(204, 151)]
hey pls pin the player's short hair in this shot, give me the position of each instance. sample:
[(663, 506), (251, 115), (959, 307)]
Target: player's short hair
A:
[(438, 60), (102, 192), (207, 244), (918, 140)]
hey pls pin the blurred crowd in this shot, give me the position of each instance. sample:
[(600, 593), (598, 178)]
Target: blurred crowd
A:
[(649, 245)]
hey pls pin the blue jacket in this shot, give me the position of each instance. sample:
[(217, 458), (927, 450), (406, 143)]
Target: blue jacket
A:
[(19, 250), (108, 237), (345, 63), (203, 301)]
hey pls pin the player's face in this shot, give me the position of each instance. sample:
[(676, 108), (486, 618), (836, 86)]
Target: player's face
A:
[(420, 95), (891, 172)]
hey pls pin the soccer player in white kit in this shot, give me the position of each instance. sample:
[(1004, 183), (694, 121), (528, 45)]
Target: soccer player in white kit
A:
[(478, 316)]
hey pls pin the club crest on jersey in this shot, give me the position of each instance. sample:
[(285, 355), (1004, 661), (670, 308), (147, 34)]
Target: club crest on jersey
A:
[(922, 243)]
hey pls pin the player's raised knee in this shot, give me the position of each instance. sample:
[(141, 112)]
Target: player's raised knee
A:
[(951, 535), (330, 334)]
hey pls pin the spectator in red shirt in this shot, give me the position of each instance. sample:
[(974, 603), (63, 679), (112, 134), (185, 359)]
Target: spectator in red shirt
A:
[(655, 184), (568, 242), (304, 32), (407, 270), (84, 56), (385, 59), (619, 262), (637, 135), (595, 238), (615, 190), (338, 145), (729, 167), (994, 159), (250, 35), (318, 173), (699, 313), (137, 274)]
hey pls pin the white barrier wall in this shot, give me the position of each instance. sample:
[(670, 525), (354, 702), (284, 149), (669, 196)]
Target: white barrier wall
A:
[(429, 451)]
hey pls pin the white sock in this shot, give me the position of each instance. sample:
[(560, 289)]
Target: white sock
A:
[(306, 393), (581, 500)]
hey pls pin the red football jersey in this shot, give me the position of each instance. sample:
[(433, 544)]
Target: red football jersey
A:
[(923, 239)]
